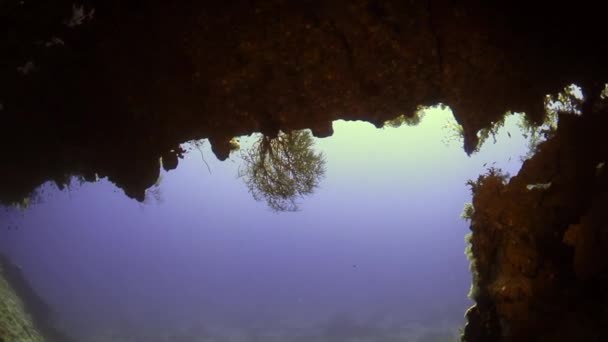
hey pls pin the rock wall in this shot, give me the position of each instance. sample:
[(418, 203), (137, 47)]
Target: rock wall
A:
[(16, 324), (24, 315), (539, 241)]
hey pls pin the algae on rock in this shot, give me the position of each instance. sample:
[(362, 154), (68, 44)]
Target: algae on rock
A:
[(15, 323)]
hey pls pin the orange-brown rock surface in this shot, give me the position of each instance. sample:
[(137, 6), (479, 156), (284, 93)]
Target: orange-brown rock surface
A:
[(539, 241)]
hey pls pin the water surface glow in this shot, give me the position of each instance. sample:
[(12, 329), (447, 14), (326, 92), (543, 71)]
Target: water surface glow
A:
[(375, 252)]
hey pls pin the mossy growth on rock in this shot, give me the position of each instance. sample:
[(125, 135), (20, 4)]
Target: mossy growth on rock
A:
[(15, 323), (467, 211), (24, 315)]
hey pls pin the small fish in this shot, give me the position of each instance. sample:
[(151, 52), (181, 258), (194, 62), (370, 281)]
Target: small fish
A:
[(509, 134), (539, 186)]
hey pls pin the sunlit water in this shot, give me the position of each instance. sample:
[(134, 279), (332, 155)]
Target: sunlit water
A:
[(375, 254)]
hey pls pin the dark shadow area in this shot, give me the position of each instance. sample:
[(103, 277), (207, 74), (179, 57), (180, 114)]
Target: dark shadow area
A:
[(107, 87)]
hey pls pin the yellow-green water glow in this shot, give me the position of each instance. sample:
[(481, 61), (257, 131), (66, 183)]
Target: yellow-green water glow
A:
[(420, 150), (430, 150)]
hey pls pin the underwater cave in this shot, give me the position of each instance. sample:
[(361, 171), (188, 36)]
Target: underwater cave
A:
[(270, 170)]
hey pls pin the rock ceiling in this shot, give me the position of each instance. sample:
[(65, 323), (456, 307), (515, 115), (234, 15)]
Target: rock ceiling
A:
[(108, 87)]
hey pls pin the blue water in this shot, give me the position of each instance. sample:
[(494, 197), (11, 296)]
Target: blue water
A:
[(375, 254)]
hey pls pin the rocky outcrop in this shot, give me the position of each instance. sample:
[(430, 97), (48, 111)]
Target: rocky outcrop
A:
[(15, 322), (539, 241), (24, 316)]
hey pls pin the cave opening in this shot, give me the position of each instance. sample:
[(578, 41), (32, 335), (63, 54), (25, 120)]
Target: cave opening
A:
[(374, 249), (108, 90)]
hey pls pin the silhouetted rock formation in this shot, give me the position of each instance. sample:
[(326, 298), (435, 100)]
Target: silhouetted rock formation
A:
[(108, 87)]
